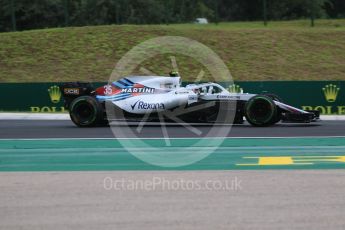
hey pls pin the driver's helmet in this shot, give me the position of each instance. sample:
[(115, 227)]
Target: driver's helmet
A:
[(174, 74)]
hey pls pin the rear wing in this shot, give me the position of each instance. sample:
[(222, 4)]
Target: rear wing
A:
[(72, 90)]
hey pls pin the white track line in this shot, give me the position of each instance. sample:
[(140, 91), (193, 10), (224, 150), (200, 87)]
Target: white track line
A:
[(159, 138), (34, 116), (65, 116)]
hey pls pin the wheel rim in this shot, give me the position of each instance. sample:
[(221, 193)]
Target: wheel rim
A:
[(84, 113)]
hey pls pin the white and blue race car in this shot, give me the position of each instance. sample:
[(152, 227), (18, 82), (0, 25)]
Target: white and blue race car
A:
[(158, 98)]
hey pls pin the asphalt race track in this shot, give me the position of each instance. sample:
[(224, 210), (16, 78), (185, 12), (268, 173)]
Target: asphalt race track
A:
[(54, 175), (66, 129)]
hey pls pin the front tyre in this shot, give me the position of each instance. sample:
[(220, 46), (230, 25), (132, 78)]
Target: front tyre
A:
[(273, 97), (86, 111), (260, 110)]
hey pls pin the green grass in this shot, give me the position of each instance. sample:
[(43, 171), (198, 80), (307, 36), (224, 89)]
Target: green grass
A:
[(290, 50)]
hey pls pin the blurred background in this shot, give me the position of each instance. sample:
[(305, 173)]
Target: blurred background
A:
[(258, 40), (37, 14)]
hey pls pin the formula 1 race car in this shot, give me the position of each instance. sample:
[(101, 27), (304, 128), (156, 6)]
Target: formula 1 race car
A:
[(154, 98)]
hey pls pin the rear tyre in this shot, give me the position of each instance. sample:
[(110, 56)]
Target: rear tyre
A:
[(86, 111), (260, 110)]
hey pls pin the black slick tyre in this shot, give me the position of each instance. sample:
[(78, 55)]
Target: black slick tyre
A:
[(260, 110), (86, 111)]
